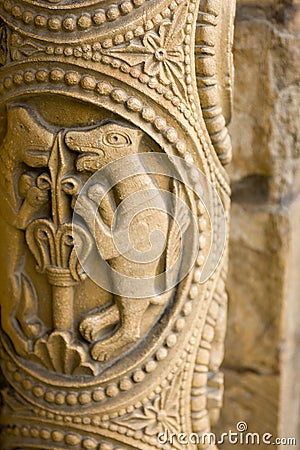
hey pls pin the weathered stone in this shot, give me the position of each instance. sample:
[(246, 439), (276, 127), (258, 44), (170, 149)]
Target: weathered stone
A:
[(113, 301), (247, 395), (262, 345)]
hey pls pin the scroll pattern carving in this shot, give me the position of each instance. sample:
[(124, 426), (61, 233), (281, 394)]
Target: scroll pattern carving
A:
[(90, 90)]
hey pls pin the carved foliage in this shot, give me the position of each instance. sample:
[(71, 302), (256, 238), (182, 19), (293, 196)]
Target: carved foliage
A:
[(72, 156), (160, 52), (159, 416)]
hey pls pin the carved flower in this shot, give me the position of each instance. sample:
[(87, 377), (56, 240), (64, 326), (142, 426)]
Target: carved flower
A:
[(166, 55), (160, 53), (161, 415)]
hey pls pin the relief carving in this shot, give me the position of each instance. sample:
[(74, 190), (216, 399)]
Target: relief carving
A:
[(113, 210), (99, 147)]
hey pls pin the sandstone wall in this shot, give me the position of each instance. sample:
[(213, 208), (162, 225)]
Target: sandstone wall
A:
[(262, 362)]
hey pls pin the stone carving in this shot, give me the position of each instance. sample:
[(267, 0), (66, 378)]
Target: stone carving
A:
[(157, 416), (101, 146), (113, 266), (160, 52), (214, 70)]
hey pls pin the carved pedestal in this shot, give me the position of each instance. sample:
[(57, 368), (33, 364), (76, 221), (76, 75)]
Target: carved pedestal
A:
[(113, 216)]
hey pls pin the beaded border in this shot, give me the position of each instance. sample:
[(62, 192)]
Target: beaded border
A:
[(118, 95), (70, 22), (191, 116), (60, 398), (57, 437)]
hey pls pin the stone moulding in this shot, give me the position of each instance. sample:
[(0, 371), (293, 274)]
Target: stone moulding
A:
[(105, 123), (214, 71)]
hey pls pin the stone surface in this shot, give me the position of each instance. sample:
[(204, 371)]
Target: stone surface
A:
[(247, 394), (262, 345)]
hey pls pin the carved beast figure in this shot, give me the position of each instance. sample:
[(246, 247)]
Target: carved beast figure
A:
[(26, 141), (98, 147)]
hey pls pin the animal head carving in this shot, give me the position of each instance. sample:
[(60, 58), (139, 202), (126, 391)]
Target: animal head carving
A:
[(103, 144), (27, 139)]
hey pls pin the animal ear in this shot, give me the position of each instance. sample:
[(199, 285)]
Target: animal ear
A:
[(22, 126), (28, 124)]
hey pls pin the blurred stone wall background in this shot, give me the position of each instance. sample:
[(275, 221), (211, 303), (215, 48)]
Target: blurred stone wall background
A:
[(262, 359)]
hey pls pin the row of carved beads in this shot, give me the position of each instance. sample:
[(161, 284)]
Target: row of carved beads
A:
[(70, 22), (71, 399), (88, 83), (57, 437)]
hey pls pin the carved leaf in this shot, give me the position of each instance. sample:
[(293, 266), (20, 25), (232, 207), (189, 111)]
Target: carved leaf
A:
[(133, 53), (159, 416), (174, 36), (80, 251), (40, 237), (28, 48), (60, 353), (55, 247)]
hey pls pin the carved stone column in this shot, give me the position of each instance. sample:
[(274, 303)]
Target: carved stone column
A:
[(113, 214)]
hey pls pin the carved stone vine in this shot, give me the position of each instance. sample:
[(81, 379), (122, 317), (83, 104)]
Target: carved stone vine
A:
[(108, 153)]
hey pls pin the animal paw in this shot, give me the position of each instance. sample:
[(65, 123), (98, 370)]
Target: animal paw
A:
[(109, 348), (89, 328), (100, 352)]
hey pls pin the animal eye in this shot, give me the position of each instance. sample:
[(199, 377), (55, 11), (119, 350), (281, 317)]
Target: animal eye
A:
[(116, 139)]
